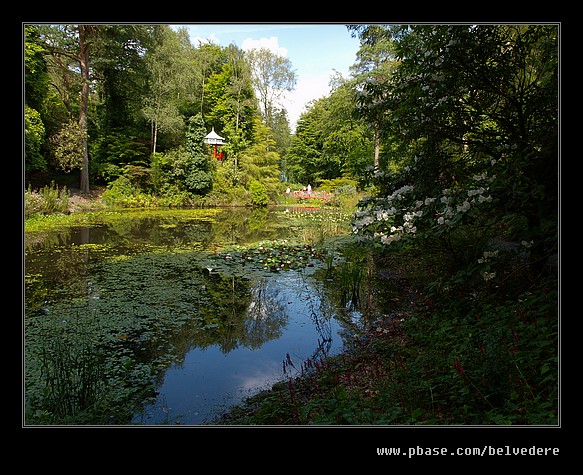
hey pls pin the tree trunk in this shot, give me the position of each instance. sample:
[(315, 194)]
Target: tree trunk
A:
[(84, 33), (154, 137), (377, 147)]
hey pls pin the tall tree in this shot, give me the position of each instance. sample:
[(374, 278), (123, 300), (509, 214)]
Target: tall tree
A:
[(170, 74), (260, 162), (36, 92), (241, 95), (68, 43), (330, 140), (207, 59), (373, 70), (120, 73), (304, 156), (199, 177), (272, 77)]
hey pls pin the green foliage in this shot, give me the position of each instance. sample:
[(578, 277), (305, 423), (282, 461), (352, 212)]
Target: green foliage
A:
[(123, 193), (259, 195), (318, 227), (169, 73), (197, 171), (74, 374), (329, 141), (67, 146), (199, 181), (48, 200), (120, 149), (489, 360), (35, 68), (476, 162), (178, 169), (227, 188), (342, 185), (34, 136)]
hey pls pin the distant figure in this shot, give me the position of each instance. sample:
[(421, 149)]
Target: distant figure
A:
[(287, 192), (309, 190)]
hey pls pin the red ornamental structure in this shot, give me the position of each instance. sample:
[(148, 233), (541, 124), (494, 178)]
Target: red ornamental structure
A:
[(215, 140)]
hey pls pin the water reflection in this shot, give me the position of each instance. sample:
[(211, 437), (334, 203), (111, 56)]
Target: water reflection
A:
[(138, 290), (170, 228), (280, 319)]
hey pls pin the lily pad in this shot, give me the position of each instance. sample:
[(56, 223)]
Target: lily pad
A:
[(266, 256)]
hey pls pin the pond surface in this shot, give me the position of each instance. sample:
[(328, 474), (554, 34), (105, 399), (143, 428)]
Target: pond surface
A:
[(171, 317)]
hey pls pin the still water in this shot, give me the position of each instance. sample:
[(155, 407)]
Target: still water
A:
[(210, 379), (175, 319)]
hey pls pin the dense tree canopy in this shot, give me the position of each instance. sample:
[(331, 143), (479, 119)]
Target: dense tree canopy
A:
[(447, 134), (477, 107), (430, 107)]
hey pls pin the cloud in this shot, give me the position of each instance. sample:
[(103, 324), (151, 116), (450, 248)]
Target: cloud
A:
[(271, 43), (196, 40)]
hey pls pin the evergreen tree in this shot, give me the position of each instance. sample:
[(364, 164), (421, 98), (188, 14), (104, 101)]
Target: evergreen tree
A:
[(198, 179)]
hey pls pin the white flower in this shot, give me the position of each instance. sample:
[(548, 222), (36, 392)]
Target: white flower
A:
[(382, 215), (489, 275), (464, 207), (487, 255), (477, 191)]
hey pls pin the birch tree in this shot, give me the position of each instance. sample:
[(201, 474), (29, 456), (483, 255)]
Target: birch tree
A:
[(170, 71), (272, 78)]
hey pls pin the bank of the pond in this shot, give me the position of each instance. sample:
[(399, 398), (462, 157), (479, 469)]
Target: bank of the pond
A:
[(433, 348), (344, 389), (440, 356)]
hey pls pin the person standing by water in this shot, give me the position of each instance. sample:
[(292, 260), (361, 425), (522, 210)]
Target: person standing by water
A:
[(309, 190)]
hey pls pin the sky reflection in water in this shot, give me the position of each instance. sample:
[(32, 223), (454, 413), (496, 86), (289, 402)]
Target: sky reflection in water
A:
[(209, 380)]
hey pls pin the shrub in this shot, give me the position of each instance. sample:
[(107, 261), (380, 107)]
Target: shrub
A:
[(47, 200), (124, 194), (259, 195)]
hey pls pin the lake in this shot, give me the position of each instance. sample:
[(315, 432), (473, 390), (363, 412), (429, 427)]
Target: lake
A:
[(173, 316)]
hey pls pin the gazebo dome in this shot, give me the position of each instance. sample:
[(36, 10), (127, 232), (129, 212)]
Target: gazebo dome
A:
[(212, 138)]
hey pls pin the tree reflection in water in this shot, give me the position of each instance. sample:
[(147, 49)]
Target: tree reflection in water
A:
[(138, 291)]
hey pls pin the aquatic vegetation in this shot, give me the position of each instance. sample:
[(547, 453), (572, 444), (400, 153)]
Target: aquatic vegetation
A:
[(270, 256), (128, 295)]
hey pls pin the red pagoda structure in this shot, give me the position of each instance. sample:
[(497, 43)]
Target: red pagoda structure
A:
[(215, 140)]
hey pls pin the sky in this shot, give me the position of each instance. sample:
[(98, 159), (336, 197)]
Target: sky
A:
[(314, 50)]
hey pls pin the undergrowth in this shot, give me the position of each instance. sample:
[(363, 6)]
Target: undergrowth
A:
[(442, 351)]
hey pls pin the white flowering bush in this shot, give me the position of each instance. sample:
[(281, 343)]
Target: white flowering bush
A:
[(405, 214)]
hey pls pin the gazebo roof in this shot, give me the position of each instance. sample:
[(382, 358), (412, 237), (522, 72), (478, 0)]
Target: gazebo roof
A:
[(213, 138)]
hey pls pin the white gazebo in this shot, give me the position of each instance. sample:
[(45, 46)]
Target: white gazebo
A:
[(214, 139)]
